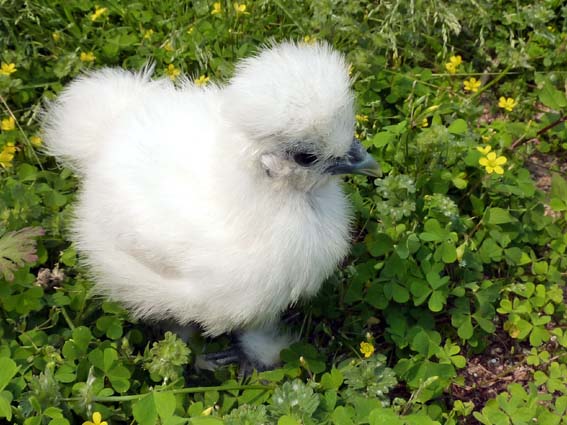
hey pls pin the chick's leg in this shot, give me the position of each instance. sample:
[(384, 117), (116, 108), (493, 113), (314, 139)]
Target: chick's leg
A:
[(255, 349), (262, 346)]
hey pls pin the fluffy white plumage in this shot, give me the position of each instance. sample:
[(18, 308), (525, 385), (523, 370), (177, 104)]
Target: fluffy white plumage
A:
[(216, 205)]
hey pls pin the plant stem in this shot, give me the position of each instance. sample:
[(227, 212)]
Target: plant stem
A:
[(493, 82), (67, 318), (539, 133), (191, 390)]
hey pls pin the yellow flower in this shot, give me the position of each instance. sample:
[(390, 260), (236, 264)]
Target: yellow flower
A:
[(484, 150), (452, 65), (99, 11), (190, 30), (56, 36), (97, 420), (7, 68), (492, 163), (472, 84), (367, 349), (172, 71), (36, 141), (451, 68), (456, 60), (202, 81), (217, 9), (148, 34), (87, 57), (361, 118), (8, 124), (424, 123), (7, 155), (240, 8), (309, 39), (507, 103), (168, 47)]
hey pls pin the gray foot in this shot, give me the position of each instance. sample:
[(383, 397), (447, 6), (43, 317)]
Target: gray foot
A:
[(233, 355)]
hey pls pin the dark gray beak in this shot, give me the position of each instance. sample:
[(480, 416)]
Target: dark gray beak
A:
[(356, 161)]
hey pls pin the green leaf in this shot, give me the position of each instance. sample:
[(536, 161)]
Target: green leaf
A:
[(516, 256), (119, 377), (433, 231), (498, 216), (420, 291), (144, 410), (8, 370), (538, 336), (551, 97), (341, 416), (66, 373), (557, 204), (5, 405), (437, 301), (58, 421), (466, 331), (165, 404), (524, 328), (379, 244), (459, 361), (34, 420), (285, 420), (460, 182), (175, 420), (69, 257), (64, 65), (426, 342), (408, 245), (436, 281), (383, 416), (197, 407), (27, 172), (400, 294), (382, 139), (486, 324), (111, 325), (448, 252), (110, 356), (332, 380), (82, 336), (53, 412), (540, 268), (558, 188), (459, 126)]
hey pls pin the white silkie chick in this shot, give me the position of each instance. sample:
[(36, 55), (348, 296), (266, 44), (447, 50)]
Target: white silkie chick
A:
[(217, 206)]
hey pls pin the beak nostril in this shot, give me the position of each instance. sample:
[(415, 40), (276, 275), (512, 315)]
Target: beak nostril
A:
[(356, 161)]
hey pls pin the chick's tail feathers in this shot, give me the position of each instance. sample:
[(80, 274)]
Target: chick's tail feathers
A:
[(74, 124)]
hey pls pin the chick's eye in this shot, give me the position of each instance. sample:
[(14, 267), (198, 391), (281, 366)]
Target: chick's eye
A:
[(304, 159)]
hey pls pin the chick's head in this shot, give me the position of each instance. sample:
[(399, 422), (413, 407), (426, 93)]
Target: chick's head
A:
[(294, 105)]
